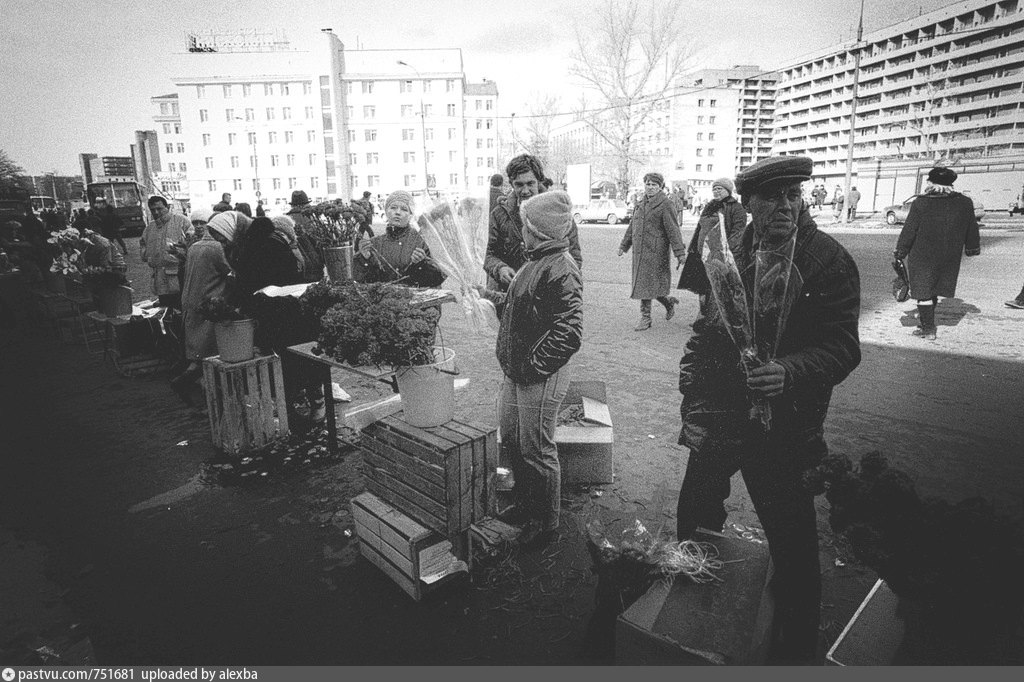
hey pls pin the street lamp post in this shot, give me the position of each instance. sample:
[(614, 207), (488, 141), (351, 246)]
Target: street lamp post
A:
[(423, 129)]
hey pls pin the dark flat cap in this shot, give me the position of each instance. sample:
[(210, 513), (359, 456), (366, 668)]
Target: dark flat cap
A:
[(773, 169), (942, 176)]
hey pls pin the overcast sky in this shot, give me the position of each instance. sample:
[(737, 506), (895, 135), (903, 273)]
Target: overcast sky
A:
[(77, 76)]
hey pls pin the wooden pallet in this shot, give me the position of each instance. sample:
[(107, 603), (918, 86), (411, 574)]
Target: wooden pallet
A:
[(246, 402), (443, 476), (416, 559)]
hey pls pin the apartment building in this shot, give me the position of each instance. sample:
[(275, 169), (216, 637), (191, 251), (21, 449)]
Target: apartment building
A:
[(947, 84), (259, 119), (710, 124)]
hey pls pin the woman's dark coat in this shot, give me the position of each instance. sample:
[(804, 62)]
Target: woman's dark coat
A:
[(392, 260), (652, 231), (939, 228)]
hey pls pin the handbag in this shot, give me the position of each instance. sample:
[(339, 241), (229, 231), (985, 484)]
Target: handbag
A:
[(900, 283)]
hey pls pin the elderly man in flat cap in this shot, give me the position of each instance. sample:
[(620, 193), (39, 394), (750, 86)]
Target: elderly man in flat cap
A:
[(819, 347), (940, 227)]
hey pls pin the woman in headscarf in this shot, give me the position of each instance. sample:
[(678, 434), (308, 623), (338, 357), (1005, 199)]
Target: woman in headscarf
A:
[(400, 254), (285, 227), (231, 225), (206, 275), (653, 230)]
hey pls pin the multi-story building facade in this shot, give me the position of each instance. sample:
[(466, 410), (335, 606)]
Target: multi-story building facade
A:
[(709, 125), (942, 85), (259, 119)]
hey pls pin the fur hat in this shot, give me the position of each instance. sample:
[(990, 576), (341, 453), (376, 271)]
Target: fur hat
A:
[(399, 196), (546, 217), (299, 198), (773, 169), (724, 183), (942, 176)]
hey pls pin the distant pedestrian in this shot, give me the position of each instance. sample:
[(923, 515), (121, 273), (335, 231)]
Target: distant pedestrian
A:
[(940, 227), (366, 217), (496, 192), (224, 204), (853, 199), (157, 243), (837, 204), (653, 231), (101, 218)]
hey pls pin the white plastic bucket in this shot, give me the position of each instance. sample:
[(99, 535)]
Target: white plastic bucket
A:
[(428, 391), (235, 340)]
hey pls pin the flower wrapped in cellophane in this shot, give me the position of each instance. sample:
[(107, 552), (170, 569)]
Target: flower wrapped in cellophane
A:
[(458, 242)]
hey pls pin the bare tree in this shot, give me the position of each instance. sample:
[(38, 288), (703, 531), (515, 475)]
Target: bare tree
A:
[(11, 174), (627, 56)]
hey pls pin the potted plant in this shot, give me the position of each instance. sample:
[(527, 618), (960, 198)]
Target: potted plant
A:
[(109, 289), (956, 568), (377, 324), (234, 332), (333, 229)]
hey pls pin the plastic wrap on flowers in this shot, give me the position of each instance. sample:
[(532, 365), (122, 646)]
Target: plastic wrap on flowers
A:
[(457, 244)]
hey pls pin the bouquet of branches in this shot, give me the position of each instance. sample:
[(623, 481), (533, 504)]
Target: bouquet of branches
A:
[(457, 244), (332, 223), (64, 249)]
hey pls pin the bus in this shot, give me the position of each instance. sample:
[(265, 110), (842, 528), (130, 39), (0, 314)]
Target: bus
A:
[(127, 200), (41, 203)]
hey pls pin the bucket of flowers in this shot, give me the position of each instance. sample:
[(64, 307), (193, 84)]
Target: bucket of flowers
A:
[(333, 228), (234, 332)]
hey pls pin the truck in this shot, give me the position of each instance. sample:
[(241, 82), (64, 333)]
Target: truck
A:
[(126, 198)]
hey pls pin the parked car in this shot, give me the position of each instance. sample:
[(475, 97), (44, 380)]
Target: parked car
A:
[(898, 212), (609, 211)]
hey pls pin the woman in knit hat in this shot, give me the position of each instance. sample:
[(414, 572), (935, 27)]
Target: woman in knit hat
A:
[(653, 230), (541, 329), (939, 229), (400, 254)]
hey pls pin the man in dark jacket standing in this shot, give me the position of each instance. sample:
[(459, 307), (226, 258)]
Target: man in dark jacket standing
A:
[(939, 227), (819, 347), (541, 329), (366, 221), (506, 252), (102, 219)]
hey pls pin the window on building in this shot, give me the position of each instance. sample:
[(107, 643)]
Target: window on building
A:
[(490, 123), (170, 168), (406, 179), (428, 134), (286, 113), (479, 143), (428, 109), (373, 181), (164, 108), (700, 136), (700, 152), (711, 151), (427, 85), (274, 160), (229, 115), (292, 182), (372, 158), (405, 86), (200, 91), (174, 108), (351, 111), (713, 102), (234, 163), (367, 87), (452, 155), (307, 88), (351, 135), (711, 136), (169, 148), (409, 157), (348, 88), (289, 160), (449, 85), (370, 134), (177, 129), (183, 167), (430, 156), (237, 183), (453, 179), (208, 161), (489, 105), (479, 162), (311, 135), (272, 137), (252, 138), (711, 120), (478, 105), (250, 114), (167, 129), (408, 134), (268, 89), (285, 89), (700, 119), (328, 145), (246, 89), (490, 162), (227, 94), (700, 103), (490, 143), (252, 161), (211, 185), (369, 111), (270, 113), (353, 159), (479, 124), (204, 115), (314, 182), (451, 133), (698, 168), (276, 183), (451, 109), (309, 113), (479, 180), (289, 136), (312, 159), (711, 167), (406, 110), (328, 120)]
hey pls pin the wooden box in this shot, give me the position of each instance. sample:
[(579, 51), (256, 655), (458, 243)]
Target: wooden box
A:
[(442, 476), (585, 453), (417, 559), (246, 402), (718, 623), (874, 634)]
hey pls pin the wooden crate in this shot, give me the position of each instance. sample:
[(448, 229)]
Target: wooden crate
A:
[(246, 402), (443, 476), (416, 559)]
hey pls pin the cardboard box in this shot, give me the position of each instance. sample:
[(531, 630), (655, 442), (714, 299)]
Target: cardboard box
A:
[(718, 623), (586, 452), (874, 634)]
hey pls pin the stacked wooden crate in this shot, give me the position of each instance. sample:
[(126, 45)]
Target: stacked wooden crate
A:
[(246, 402)]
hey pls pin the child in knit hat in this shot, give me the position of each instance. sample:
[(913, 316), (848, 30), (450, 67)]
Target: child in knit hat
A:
[(541, 329)]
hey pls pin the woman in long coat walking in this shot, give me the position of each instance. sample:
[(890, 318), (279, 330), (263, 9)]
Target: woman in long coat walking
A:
[(653, 230), (939, 228)]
